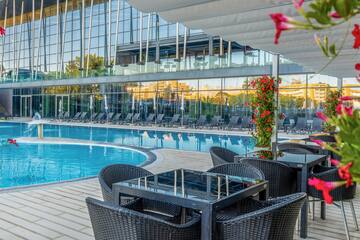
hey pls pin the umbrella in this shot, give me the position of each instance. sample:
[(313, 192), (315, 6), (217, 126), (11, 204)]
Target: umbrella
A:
[(154, 102), (91, 102), (105, 103), (133, 103), (182, 107), (60, 106)]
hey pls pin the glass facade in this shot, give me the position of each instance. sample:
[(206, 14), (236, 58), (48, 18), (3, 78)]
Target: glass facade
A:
[(101, 39), (83, 39), (299, 95)]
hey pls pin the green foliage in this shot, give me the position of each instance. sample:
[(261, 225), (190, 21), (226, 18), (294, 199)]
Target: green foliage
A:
[(331, 102), (348, 141), (96, 66), (329, 51)]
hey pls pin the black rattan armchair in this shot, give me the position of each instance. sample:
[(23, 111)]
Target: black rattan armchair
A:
[(117, 173), (270, 220), (282, 179), (238, 169), (129, 222), (341, 194), (221, 155)]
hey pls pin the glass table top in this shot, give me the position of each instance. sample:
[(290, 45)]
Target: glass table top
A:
[(290, 158), (201, 186)]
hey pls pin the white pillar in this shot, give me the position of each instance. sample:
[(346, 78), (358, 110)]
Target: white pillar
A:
[(275, 74), (339, 83)]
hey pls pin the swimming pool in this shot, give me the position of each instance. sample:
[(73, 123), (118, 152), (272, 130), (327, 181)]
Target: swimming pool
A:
[(141, 138), (31, 164)]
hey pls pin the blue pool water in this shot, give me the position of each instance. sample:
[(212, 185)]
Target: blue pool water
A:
[(152, 139), (31, 164)]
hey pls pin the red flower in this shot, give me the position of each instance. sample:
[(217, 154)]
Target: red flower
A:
[(322, 116), (12, 141), (282, 23), (319, 142), (344, 173), (346, 98), (325, 187), (357, 66), (265, 113), (2, 31), (298, 4), (356, 33)]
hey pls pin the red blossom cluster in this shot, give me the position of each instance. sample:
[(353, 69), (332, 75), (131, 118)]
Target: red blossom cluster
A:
[(263, 116), (2, 31)]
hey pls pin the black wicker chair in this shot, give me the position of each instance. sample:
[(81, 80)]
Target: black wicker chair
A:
[(238, 169), (117, 173), (270, 220), (341, 194), (129, 222), (297, 148), (282, 179), (221, 155)]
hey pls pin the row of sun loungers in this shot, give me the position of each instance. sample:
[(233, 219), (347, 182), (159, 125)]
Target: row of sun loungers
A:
[(299, 125)]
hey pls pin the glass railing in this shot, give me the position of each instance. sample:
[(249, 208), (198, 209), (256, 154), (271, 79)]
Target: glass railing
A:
[(236, 60)]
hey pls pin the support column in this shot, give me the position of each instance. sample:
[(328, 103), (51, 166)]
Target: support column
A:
[(89, 38), (3, 42), (177, 58), (275, 75), (211, 46), (117, 30), (57, 37), (63, 39), (339, 83)]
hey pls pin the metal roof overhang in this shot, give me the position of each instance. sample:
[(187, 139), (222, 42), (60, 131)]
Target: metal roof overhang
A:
[(248, 23)]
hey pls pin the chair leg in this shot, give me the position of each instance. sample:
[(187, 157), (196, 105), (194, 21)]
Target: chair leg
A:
[(313, 209), (354, 215), (345, 221)]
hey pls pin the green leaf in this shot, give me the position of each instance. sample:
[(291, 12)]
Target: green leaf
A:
[(343, 7), (332, 50)]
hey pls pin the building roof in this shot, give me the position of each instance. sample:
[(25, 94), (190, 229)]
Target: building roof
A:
[(248, 23)]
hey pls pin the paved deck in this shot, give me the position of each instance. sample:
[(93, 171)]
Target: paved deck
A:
[(59, 212)]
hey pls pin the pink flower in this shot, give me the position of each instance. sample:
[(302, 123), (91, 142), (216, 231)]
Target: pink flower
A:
[(334, 162), (322, 116), (282, 23), (325, 187), (349, 111), (298, 4), (340, 109), (319, 142), (335, 15)]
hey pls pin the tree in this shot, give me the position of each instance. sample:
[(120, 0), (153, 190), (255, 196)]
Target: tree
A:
[(96, 66)]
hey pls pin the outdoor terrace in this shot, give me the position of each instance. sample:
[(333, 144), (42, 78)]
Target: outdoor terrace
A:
[(58, 211)]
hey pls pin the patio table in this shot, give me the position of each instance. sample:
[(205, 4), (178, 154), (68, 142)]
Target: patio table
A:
[(203, 191), (302, 163)]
